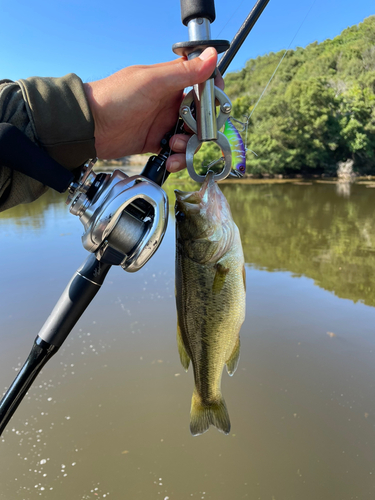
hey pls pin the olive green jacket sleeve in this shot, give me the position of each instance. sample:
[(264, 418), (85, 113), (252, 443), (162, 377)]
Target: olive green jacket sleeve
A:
[(53, 113)]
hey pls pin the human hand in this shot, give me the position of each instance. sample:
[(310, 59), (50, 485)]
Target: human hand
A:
[(134, 108)]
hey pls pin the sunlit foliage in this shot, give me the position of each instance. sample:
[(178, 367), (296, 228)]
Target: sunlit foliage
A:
[(319, 109)]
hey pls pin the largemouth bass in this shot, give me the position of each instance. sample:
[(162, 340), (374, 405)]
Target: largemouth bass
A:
[(210, 298)]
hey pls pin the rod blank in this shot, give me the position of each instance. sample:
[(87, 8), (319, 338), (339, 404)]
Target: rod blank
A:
[(241, 35)]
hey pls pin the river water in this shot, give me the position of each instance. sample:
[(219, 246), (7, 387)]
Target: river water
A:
[(108, 417)]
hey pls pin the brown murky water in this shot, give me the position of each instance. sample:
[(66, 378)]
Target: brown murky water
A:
[(109, 415)]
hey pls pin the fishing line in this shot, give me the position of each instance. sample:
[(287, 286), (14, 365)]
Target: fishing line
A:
[(229, 20), (277, 67)]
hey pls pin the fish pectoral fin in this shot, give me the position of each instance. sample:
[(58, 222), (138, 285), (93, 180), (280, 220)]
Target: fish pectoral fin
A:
[(220, 277), (244, 277), (234, 358), (184, 357), (203, 415)]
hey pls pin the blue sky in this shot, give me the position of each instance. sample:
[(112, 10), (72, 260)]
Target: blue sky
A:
[(95, 39)]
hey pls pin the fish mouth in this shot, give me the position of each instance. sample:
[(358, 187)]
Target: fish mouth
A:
[(208, 183), (197, 197)]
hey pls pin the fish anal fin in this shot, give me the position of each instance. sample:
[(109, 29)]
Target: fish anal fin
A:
[(220, 277), (234, 358), (205, 414), (184, 357)]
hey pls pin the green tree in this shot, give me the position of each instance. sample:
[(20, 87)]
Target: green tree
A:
[(318, 110)]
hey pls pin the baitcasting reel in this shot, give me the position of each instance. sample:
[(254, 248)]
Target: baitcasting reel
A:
[(124, 218)]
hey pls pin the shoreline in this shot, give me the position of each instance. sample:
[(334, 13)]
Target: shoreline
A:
[(136, 168)]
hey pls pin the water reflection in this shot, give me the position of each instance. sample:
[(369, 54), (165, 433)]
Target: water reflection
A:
[(325, 231), (108, 417), (35, 215), (343, 189)]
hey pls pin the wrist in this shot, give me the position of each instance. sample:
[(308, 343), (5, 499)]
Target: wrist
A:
[(96, 108)]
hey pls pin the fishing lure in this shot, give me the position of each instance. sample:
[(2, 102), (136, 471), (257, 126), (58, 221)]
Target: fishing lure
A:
[(237, 147)]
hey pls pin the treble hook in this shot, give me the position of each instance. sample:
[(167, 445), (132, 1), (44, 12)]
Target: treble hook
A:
[(244, 124)]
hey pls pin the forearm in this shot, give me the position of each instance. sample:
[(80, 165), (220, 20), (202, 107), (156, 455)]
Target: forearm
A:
[(53, 113)]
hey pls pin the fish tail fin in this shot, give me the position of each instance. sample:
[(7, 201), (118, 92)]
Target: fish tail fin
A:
[(203, 415)]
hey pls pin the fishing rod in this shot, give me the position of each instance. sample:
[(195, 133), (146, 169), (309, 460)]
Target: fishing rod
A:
[(241, 35), (124, 218)]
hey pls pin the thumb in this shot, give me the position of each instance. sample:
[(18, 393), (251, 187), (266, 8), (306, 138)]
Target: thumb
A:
[(183, 73)]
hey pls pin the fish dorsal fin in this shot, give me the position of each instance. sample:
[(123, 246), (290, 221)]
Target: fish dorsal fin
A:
[(234, 358), (220, 277), (184, 357)]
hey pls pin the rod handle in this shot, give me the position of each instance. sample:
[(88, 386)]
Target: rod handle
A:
[(193, 9), (40, 353), (74, 300)]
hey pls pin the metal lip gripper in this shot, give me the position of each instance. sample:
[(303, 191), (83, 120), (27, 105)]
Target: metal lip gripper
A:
[(198, 16)]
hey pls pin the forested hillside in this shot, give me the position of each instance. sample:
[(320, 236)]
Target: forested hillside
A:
[(318, 110)]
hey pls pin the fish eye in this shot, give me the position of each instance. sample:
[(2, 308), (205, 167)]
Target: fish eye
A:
[(180, 216), (241, 168)]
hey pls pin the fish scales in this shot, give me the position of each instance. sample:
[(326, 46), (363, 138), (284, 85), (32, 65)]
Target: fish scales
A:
[(210, 298)]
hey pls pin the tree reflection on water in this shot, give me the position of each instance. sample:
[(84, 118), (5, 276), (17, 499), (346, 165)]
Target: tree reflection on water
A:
[(325, 231)]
